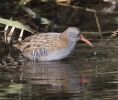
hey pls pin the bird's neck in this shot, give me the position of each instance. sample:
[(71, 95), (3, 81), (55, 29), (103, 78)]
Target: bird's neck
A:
[(69, 42)]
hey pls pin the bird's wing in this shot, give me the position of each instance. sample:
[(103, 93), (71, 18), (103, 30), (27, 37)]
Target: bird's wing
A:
[(34, 40), (42, 44)]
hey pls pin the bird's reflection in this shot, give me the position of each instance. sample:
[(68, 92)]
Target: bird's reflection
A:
[(53, 76)]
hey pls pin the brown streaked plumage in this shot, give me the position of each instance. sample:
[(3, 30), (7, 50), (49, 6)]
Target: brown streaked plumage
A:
[(50, 46)]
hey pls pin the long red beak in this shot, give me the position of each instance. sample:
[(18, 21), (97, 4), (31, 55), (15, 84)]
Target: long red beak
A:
[(85, 40)]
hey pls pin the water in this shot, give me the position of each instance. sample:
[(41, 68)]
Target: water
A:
[(90, 74)]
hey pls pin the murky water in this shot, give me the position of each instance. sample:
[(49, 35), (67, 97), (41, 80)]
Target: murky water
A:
[(90, 74)]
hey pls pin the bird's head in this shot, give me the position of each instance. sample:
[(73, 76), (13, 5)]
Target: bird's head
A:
[(74, 34)]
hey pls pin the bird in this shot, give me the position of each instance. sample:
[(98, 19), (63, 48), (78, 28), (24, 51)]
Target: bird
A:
[(51, 46)]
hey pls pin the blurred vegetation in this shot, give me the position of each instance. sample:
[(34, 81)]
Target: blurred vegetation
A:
[(56, 15)]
